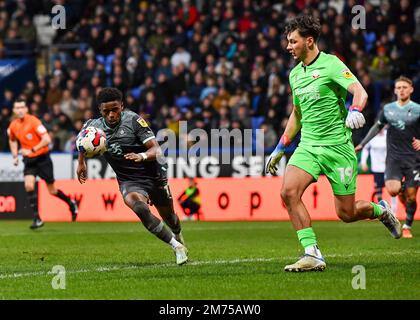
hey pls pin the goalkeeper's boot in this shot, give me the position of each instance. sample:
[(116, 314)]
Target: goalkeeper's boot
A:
[(390, 220), (181, 255), (307, 263), (406, 233)]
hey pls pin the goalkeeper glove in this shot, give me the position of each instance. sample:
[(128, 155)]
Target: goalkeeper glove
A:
[(355, 118), (276, 155)]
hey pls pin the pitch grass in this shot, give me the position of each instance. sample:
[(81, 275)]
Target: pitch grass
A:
[(229, 260)]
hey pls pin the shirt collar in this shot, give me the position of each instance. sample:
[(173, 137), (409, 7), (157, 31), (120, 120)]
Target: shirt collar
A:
[(312, 62)]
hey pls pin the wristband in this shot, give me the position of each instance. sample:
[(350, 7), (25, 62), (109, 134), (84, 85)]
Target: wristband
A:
[(283, 143), (285, 140), (354, 108), (143, 155)]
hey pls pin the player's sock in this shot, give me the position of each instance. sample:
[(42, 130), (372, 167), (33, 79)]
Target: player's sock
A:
[(313, 251), (162, 232), (60, 194), (307, 239), (174, 243), (172, 221), (33, 203), (377, 210), (410, 210), (151, 222), (394, 204)]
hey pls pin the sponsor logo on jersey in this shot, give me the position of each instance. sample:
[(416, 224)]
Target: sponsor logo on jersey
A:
[(142, 122), (346, 73), (399, 124), (122, 132), (315, 74), (416, 175), (41, 129), (310, 92)]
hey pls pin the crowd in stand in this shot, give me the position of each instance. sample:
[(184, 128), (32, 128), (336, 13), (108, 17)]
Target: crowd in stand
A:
[(215, 64)]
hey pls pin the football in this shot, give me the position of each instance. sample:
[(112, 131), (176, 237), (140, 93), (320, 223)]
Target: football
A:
[(91, 141)]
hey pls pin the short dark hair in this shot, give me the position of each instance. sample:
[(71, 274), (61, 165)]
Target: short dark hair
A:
[(306, 25), (20, 99), (108, 94)]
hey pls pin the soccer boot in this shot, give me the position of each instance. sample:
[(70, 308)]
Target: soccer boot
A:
[(307, 263), (74, 208), (406, 233), (180, 238), (390, 220), (181, 255), (37, 223)]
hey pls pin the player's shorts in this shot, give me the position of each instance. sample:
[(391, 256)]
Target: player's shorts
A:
[(408, 170), (40, 166), (155, 190), (338, 163), (379, 180)]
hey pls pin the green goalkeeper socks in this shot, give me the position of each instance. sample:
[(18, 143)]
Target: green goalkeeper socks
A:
[(306, 237), (377, 210)]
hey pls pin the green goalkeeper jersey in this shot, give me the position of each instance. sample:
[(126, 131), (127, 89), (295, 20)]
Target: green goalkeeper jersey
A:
[(319, 92)]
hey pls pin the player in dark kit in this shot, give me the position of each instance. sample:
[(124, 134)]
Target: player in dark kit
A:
[(136, 158), (403, 144)]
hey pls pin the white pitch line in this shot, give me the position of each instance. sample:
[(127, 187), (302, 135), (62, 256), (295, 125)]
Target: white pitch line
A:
[(133, 267), (169, 265)]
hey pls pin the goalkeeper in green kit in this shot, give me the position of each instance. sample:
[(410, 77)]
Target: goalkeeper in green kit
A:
[(319, 84)]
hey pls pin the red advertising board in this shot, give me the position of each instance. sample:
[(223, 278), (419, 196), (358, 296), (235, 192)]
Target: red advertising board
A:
[(223, 199), (14, 202)]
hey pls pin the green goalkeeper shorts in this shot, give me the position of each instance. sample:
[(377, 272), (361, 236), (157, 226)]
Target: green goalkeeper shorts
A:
[(338, 163)]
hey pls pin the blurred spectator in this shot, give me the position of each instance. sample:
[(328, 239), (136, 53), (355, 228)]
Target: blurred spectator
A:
[(181, 56), (270, 136), (68, 104), (221, 99), (27, 31), (54, 93), (380, 68), (5, 115), (188, 14), (190, 200), (8, 99)]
